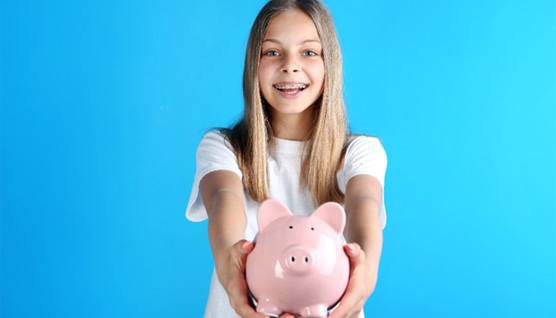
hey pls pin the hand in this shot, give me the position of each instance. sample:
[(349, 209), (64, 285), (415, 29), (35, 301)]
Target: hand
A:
[(233, 279), (362, 282)]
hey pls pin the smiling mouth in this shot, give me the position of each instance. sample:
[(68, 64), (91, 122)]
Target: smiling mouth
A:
[(290, 87)]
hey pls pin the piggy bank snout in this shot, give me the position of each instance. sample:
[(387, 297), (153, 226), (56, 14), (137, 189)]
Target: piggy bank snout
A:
[(299, 260)]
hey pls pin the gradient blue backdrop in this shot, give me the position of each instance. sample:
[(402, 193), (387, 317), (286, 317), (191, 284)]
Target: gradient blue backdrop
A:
[(103, 104)]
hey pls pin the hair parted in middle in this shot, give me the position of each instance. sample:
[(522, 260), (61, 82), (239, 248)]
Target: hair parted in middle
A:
[(251, 135)]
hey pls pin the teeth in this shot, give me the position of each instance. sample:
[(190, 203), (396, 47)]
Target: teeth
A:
[(291, 86)]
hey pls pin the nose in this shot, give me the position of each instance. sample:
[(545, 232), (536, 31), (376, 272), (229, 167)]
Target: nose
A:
[(290, 65), (290, 69), (298, 260)]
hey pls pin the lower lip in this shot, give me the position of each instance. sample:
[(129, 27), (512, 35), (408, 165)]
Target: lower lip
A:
[(289, 95)]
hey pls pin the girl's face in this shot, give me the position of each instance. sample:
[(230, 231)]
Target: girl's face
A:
[(291, 70)]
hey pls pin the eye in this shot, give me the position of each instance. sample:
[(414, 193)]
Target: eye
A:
[(312, 228), (310, 53), (271, 53), (291, 227)]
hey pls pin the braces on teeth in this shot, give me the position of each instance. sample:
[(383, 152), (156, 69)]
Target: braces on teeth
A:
[(290, 86)]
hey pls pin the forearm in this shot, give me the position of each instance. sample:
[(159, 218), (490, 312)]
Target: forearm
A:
[(226, 225), (364, 228)]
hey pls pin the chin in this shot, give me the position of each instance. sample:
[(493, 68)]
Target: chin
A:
[(290, 109)]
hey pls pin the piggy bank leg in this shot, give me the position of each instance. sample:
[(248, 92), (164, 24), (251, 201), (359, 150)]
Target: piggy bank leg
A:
[(317, 311), (266, 307)]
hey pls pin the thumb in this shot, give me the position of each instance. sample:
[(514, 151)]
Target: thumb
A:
[(242, 248), (355, 253), (238, 254)]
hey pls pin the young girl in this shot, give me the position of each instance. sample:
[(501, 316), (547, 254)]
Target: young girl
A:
[(291, 144)]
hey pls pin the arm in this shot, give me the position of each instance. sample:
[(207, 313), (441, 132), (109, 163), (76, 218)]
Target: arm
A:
[(362, 202), (223, 197), (224, 200)]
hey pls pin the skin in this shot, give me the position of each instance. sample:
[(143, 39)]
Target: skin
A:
[(222, 191), (291, 51)]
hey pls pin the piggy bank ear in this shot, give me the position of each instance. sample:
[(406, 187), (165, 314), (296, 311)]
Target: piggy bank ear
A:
[(332, 214), (271, 210)]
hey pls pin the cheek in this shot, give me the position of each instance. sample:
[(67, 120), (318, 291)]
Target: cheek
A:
[(316, 72), (265, 79), (265, 73)]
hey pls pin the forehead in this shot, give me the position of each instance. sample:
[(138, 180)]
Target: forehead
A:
[(292, 25)]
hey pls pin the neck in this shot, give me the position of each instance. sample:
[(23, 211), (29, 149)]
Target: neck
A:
[(292, 126)]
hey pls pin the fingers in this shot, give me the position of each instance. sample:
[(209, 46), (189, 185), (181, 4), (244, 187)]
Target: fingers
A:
[(239, 301), (353, 299), (355, 253), (239, 252), (238, 287)]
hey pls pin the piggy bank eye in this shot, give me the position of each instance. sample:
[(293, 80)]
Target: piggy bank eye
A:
[(291, 227), (312, 228)]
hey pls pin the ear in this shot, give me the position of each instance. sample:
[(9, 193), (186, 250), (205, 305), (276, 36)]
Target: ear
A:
[(332, 214), (269, 211)]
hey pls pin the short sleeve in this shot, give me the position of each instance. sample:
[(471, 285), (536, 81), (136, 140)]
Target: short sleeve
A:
[(364, 155), (213, 153)]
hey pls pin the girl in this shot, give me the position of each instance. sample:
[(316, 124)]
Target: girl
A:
[(291, 144)]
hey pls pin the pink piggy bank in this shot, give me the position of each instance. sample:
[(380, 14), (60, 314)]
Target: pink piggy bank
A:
[(298, 264)]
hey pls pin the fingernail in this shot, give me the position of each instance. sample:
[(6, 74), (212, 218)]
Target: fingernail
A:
[(245, 245)]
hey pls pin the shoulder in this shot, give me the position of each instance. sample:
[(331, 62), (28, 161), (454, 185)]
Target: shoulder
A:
[(214, 133), (364, 155), (366, 144), (215, 137), (215, 142)]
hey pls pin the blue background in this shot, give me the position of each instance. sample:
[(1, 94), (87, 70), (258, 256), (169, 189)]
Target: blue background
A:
[(103, 104)]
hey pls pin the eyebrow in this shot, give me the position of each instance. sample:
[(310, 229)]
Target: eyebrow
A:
[(302, 42)]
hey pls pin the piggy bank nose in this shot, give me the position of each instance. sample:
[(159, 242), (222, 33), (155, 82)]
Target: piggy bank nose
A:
[(298, 260)]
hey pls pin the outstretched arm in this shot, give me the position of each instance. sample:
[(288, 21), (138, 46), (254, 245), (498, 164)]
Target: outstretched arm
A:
[(364, 234), (224, 200)]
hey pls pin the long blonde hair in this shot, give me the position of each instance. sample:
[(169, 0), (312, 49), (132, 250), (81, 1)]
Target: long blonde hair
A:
[(251, 135)]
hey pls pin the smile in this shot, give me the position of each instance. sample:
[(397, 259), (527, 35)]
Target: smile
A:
[(290, 89)]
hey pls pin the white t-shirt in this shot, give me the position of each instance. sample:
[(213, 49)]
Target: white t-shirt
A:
[(365, 155)]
